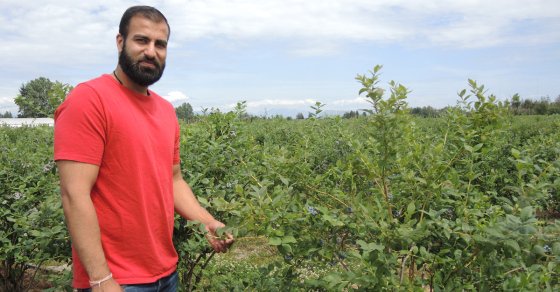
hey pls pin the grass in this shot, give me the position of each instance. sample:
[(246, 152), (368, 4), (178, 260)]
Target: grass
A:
[(252, 264)]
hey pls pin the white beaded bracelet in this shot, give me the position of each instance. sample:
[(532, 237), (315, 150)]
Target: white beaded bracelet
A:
[(98, 283)]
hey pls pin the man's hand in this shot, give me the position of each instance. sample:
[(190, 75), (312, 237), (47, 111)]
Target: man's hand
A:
[(218, 244)]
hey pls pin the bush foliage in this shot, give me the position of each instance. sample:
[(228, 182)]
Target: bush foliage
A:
[(466, 201)]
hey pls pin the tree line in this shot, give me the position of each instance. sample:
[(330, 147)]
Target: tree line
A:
[(40, 97), (518, 106)]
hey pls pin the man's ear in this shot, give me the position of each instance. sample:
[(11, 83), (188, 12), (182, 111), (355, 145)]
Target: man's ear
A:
[(120, 42)]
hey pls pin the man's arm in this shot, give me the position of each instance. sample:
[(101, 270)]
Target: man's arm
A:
[(76, 181), (189, 208)]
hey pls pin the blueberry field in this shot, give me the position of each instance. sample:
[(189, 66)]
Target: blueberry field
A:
[(469, 201)]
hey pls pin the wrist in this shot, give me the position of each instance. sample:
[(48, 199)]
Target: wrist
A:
[(98, 281)]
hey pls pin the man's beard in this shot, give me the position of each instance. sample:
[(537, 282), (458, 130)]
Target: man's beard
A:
[(144, 76)]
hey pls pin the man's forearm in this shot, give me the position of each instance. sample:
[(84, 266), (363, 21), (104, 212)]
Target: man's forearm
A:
[(187, 205), (86, 238)]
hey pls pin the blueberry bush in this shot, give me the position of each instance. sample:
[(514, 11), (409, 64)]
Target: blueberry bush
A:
[(386, 201)]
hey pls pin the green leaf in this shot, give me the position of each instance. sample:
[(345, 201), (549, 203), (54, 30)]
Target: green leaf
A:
[(513, 244), (284, 180), (203, 201), (289, 239), (369, 246), (275, 241), (556, 248), (285, 248), (410, 209), (515, 153), (526, 213), (539, 250), (478, 146)]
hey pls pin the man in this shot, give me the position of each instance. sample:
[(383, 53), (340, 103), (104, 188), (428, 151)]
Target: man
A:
[(117, 151)]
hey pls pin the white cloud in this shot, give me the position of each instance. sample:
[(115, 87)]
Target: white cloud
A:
[(343, 103), (303, 103), (78, 34), (474, 23), (285, 103), (6, 100), (73, 41), (274, 103), (175, 96), (7, 104)]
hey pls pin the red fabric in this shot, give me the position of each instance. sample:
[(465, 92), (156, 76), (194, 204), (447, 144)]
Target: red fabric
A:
[(134, 139)]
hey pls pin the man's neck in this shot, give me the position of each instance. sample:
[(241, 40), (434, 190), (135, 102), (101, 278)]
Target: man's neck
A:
[(123, 79)]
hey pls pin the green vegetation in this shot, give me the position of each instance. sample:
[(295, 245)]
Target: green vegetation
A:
[(40, 97), (185, 112), (388, 201)]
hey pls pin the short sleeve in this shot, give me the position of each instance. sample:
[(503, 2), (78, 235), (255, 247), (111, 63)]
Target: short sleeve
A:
[(80, 127), (176, 149)]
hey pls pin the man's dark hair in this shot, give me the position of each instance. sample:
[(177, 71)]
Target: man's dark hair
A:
[(145, 11)]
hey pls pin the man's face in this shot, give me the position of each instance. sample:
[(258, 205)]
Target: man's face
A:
[(143, 52)]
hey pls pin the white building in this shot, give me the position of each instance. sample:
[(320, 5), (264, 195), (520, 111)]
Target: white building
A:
[(19, 122)]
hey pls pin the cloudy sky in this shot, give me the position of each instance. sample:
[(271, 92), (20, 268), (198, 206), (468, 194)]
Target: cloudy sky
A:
[(283, 55)]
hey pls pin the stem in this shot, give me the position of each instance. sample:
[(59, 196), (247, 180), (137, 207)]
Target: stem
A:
[(199, 275), (514, 270), (403, 264), (191, 270), (32, 279), (325, 193), (345, 266), (386, 195)]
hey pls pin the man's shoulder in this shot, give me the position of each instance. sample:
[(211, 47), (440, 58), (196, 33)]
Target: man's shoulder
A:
[(87, 94), (93, 85), (97, 82), (161, 100)]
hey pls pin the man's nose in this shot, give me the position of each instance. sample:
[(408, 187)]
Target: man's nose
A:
[(150, 50)]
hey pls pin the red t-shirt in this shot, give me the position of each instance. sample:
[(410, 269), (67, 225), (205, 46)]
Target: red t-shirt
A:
[(134, 139)]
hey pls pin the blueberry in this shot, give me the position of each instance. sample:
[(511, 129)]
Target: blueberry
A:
[(312, 210)]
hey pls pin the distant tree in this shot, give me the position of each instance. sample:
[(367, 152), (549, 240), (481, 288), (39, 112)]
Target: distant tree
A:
[(541, 106), (515, 101), (184, 112), (555, 106), (57, 95), (300, 116), (6, 115), (40, 97), (528, 106), (425, 111), (351, 114)]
